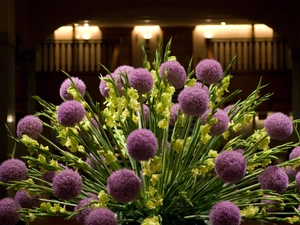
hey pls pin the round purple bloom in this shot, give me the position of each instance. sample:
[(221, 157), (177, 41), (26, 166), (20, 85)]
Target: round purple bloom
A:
[(225, 213), (101, 216), (209, 71), (116, 78), (222, 124), (278, 126), (92, 160), (30, 126), (70, 112), (141, 80), (295, 153), (273, 205), (174, 113), (48, 176), (67, 184), (123, 185), (13, 170), (193, 101), (291, 172), (298, 180), (26, 201), (63, 91), (230, 166), (230, 112), (273, 178), (141, 144), (146, 112), (84, 213), (200, 85), (8, 211), (122, 70), (176, 74)]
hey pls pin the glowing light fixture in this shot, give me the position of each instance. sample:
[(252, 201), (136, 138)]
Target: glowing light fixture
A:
[(223, 23), (10, 119), (147, 31)]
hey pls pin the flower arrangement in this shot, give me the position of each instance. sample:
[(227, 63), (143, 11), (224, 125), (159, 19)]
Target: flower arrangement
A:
[(151, 156)]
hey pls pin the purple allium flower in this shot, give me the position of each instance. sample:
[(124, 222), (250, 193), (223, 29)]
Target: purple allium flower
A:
[(101, 216), (295, 153), (116, 78), (146, 112), (67, 184), (176, 74), (123, 185), (63, 91), (84, 213), (193, 101), (273, 205), (209, 71), (95, 123), (200, 85), (8, 211), (122, 70), (240, 150), (298, 180), (230, 166), (174, 113), (141, 80), (278, 126), (225, 213), (30, 126), (26, 201), (70, 112), (222, 124), (229, 107), (92, 163), (13, 170), (273, 178), (48, 176), (291, 172), (141, 144)]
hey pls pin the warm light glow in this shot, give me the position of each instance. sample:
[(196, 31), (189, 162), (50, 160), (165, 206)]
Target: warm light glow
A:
[(81, 32), (86, 24), (208, 35), (147, 31), (223, 23), (147, 35), (10, 119)]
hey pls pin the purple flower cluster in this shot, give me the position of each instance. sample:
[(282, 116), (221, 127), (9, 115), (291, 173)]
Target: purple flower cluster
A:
[(141, 144), (141, 80), (222, 124), (193, 101), (26, 201), (200, 85), (229, 111), (146, 112), (297, 179), (295, 153), (13, 170), (81, 216), (174, 113), (123, 185), (63, 91), (8, 211), (125, 69), (101, 216), (67, 184), (29, 125), (91, 160), (117, 79), (48, 176), (176, 74), (273, 178), (225, 213), (230, 166), (70, 112), (273, 206), (278, 126), (209, 71)]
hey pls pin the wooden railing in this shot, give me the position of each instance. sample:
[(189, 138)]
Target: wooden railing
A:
[(252, 54)]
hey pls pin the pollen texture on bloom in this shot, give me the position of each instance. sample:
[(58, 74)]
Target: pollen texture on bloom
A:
[(67, 184), (273, 178), (222, 123), (13, 170), (101, 216), (225, 213), (174, 113), (209, 71), (176, 74), (81, 216), (70, 112), (230, 166), (63, 91), (125, 69), (123, 185), (278, 126), (116, 78), (141, 144), (29, 125), (141, 80), (26, 201), (193, 101), (8, 211)]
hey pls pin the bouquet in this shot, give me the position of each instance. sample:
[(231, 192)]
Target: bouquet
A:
[(162, 149)]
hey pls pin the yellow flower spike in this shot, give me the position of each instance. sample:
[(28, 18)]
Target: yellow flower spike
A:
[(102, 199), (178, 145), (151, 221), (152, 166), (292, 220), (63, 209), (45, 206), (29, 142), (237, 127), (212, 154), (226, 134), (155, 178), (55, 208), (151, 192), (31, 217), (46, 148), (204, 132), (42, 159), (110, 157), (203, 170), (164, 123), (250, 211)]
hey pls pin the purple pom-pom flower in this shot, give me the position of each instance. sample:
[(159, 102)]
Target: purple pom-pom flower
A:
[(273, 178), (146, 112), (63, 91), (225, 213), (209, 71), (29, 125), (26, 201), (81, 216), (278, 126), (174, 113), (101, 216), (70, 112), (13, 170), (230, 166), (141, 144), (67, 184), (193, 101), (141, 80), (222, 123), (8, 211), (200, 85), (48, 176), (123, 185), (125, 69), (176, 74), (115, 78)]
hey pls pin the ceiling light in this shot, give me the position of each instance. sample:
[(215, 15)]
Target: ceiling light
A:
[(223, 23)]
